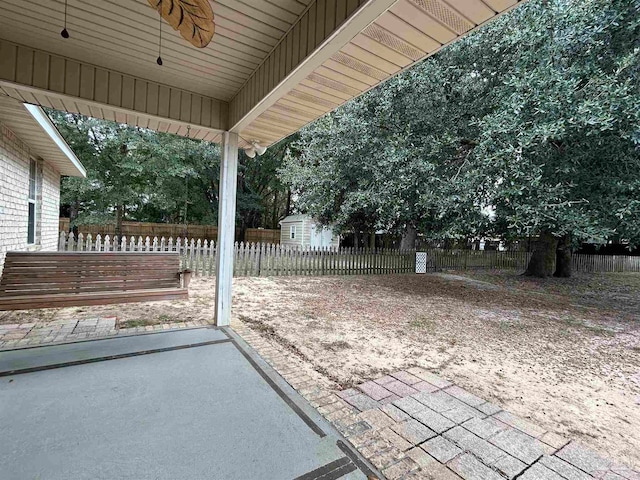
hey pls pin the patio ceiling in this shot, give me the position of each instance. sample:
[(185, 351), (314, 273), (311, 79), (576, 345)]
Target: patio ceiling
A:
[(272, 66)]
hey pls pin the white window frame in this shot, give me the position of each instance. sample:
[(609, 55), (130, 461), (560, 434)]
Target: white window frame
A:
[(32, 222), (292, 232)]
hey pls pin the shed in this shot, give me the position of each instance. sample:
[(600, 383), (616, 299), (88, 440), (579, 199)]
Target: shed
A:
[(304, 231)]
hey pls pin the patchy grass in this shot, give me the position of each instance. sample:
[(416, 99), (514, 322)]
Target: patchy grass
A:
[(135, 323), (144, 322), (336, 346)]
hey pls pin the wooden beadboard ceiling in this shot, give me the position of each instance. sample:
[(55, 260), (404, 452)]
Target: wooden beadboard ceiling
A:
[(122, 35), (407, 33), (120, 115), (257, 44)]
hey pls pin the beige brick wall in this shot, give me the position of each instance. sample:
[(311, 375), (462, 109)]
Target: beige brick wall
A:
[(50, 213), (14, 196)]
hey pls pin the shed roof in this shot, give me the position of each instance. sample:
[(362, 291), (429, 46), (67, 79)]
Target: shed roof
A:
[(31, 124), (295, 218)]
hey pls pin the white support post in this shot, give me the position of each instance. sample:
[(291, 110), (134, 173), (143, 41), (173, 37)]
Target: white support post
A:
[(226, 227)]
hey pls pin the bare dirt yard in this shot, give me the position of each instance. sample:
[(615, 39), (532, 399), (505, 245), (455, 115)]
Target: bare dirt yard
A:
[(565, 353), (562, 352)]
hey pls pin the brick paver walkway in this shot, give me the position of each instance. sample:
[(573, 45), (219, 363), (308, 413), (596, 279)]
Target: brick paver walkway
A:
[(61, 331), (416, 425)]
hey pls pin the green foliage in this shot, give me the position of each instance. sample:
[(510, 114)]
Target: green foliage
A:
[(263, 199), (159, 177), (529, 125), (564, 141)]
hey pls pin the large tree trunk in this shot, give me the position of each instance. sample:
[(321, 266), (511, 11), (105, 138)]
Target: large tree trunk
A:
[(274, 214), (356, 239), (409, 236), (119, 218), (544, 254), (74, 210), (563, 258), (372, 240), (288, 212)]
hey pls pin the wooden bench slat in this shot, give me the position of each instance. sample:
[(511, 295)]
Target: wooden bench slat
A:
[(93, 258), (90, 266), (73, 282), (97, 258), (96, 295), (124, 261), (85, 279), (71, 268), (56, 301), (14, 254), (81, 291)]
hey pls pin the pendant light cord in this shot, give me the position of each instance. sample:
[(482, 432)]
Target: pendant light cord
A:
[(64, 33), (159, 60)]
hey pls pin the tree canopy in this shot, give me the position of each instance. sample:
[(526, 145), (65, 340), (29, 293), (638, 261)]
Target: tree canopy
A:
[(141, 175), (529, 127)]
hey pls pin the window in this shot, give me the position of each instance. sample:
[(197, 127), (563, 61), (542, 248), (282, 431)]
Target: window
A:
[(31, 226), (292, 232)]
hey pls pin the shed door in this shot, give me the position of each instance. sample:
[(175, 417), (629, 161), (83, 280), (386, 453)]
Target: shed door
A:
[(321, 236), (316, 236), (327, 237)]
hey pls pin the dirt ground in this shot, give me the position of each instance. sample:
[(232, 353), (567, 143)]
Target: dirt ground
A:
[(563, 352)]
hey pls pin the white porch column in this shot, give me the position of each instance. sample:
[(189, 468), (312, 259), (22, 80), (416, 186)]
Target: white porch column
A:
[(226, 226)]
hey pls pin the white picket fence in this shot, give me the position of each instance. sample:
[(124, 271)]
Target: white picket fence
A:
[(263, 259), (253, 259)]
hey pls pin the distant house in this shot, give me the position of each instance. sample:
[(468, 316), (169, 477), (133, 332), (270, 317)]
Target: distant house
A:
[(304, 231), (33, 156)]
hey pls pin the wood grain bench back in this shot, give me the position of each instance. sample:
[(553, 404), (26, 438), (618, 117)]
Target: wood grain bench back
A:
[(49, 273)]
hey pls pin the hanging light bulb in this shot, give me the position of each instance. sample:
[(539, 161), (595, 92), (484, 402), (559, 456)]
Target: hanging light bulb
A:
[(250, 152), (64, 33), (159, 59)]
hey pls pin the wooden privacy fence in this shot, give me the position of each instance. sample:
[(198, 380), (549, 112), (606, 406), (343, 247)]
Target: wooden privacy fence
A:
[(254, 259), (148, 229), (518, 260), (476, 259), (605, 263)]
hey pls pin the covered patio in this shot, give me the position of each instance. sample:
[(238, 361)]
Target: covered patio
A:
[(194, 403), (270, 68)]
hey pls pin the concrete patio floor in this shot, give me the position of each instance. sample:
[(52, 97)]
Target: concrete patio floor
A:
[(191, 403)]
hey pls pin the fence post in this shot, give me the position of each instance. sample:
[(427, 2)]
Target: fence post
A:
[(61, 241)]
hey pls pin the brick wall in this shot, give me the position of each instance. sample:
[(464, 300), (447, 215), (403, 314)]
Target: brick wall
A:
[(14, 193), (50, 213)]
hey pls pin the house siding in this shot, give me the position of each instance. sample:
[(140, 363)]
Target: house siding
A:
[(14, 201), (301, 235)]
